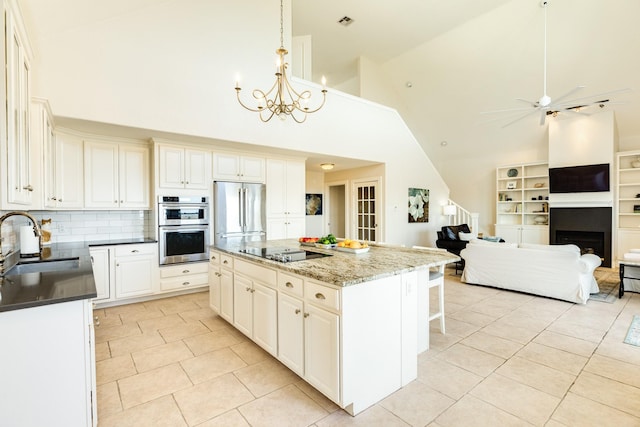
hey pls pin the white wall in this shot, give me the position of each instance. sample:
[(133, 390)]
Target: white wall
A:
[(171, 67)]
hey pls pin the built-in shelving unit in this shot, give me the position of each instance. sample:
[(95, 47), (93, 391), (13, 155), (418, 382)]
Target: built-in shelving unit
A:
[(522, 202), (628, 202)]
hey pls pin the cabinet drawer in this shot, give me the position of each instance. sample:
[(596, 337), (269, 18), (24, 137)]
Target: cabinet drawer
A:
[(183, 270), (214, 257), (322, 295), (125, 250), (226, 261), (290, 284), (189, 281), (261, 274)]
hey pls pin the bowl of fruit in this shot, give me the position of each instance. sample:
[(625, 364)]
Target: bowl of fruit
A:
[(327, 242), (308, 241), (352, 246)]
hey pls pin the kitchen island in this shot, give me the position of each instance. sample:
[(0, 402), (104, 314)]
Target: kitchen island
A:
[(349, 324)]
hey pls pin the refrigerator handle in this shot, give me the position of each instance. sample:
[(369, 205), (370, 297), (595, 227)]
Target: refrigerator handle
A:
[(244, 211), (240, 208)]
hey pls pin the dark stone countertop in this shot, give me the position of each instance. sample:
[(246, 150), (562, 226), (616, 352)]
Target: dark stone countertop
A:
[(18, 291)]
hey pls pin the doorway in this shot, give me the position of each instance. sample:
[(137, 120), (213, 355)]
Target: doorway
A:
[(367, 198), (337, 217)]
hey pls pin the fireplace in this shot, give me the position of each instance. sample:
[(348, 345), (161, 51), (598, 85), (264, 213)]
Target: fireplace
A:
[(589, 228)]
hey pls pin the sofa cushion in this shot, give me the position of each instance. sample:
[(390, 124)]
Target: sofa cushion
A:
[(450, 232), (466, 236), (560, 248)]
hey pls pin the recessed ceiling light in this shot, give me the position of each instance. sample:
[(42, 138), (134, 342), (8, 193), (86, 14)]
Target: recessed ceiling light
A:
[(327, 166), (345, 20)]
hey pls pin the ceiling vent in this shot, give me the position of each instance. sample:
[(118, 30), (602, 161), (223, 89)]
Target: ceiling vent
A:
[(345, 20)]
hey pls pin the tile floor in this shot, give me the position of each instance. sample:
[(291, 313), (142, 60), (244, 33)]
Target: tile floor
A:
[(508, 359)]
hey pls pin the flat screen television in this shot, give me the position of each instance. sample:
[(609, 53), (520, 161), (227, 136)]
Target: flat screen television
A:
[(579, 179)]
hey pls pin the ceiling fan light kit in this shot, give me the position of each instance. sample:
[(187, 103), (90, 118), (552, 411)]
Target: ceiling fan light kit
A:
[(546, 106)]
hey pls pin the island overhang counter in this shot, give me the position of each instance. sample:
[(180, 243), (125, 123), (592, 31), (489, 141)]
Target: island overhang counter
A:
[(351, 325)]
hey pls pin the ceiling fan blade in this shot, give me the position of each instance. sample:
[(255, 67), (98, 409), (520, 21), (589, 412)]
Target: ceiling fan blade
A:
[(543, 117), (521, 117), (534, 104), (506, 110), (601, 96), (566, 95)]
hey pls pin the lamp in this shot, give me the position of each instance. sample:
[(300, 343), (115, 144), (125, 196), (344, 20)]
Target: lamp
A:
[(327, 166), (282, 99), (449, 210)]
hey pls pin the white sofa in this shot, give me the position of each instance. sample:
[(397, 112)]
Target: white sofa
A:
[(556, 271)]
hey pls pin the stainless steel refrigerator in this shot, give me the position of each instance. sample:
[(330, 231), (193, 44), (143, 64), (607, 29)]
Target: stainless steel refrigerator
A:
[(239, 212)]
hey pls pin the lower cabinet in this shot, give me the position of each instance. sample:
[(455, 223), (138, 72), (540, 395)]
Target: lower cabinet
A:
[(101, 272), (255, 312), (183, 276), (538, 234)]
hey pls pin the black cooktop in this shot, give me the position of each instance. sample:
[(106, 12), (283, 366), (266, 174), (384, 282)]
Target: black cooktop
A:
[(283, 254)]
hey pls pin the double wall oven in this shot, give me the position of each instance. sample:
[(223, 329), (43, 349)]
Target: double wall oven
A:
[(183, 229)]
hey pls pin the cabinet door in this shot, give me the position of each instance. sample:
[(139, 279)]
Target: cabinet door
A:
[(226, 166), (69, 172), (276, 228), (291, 333), (171, 174), (214, 288), (510, 233), (296, 227), (197, 169), (537, 234), (100, 265), (134, 173), (101, 175), (295, 188), (265, 318), (251, 169), (321, 350), (226, 294), (242, 305), (134, 275), (276, 187)]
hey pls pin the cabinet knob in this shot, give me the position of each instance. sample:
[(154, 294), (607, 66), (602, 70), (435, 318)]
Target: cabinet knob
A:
[(289, 285), (121, 201), (115, 201), (91, 259), (185, 283), (59, 200), (185, 271), (134, 251), (306, 315), (218, 274), (213, 258), (297, 311), (225, 262), (248, 289), (187, 182), (28, 187), (320, 296)]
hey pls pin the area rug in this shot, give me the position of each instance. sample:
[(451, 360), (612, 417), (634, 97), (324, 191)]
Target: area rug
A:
[(608, 282), (633, 335)]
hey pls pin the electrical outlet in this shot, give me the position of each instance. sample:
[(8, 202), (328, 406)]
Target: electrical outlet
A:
[(61, 228)]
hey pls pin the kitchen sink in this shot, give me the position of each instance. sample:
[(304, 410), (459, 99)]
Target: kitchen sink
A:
[(44, 266)]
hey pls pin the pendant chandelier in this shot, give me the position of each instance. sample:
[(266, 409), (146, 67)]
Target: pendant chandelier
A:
[(282, 99)]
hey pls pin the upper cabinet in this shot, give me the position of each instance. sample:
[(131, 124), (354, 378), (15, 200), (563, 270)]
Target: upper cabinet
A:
[(285, 198), (17, 152), (183, 168), (64, 172), (116, 175), (233, 167)]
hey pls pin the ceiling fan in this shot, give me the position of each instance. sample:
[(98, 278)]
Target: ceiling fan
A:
[(546, 106)]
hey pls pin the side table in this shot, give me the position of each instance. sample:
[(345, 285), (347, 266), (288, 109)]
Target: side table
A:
[(623, 264)]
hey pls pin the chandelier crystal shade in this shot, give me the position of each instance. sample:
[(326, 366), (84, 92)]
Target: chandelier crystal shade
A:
[(282, 99)]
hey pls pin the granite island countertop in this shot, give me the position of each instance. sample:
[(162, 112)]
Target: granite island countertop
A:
[(18, 291), (343, 268)]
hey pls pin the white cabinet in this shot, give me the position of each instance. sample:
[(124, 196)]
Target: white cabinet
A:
[(41, 137), (101, 272), (221, 285), (184, 276), (291, 332), (214, 281), (183, 168), (64, 172), (322, 350), (49, 355), (116, 175), (627, 203), (135, 269), (20, 182), (538, 234), (234, 167), (255, 311), (226, 294), (285, 198)]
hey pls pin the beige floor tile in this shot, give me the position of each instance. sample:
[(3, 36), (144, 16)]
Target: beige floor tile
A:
[(575, 330), (172, 305), (584, 316), (620, 351), (126, 308), (524, 402), (162, 412), (178, 332), (553, 358), (446, 378), (439, 342), (265, 377), (108, 398), (112, 369), (526, 320), (375, 416), (503, 329), (197, 314), (416, 403), (471, 317), (288, 406), (137, 316), (162, 355), (211, 398), (566, 343), (150, 325), (106, 320), (150, 385), (576, 410), (211, 365), (228, 419), (250, 352), (201, 298), (473, 360), (540, 377), (617, 370), (491, 308), (608, 392), (109, 333), (317, 397), (216, 323), (491, 344), (102, 351), (122, 346), (457, 328), (470, 411), (200, 344)]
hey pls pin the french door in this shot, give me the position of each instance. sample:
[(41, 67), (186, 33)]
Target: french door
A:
[(367, 218)]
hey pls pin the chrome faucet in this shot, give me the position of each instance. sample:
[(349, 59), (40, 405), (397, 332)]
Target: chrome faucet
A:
[(36, 232)]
